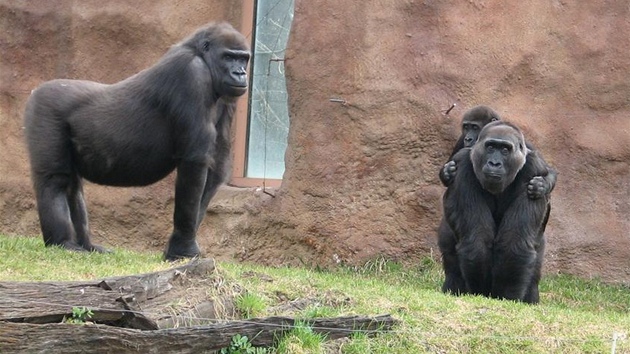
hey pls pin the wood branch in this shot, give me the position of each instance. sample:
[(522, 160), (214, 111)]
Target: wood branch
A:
[(68, 338), (151, 285), (116, 300)]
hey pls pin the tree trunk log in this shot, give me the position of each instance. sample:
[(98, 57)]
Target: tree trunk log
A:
[(31, 316), (115, 301), (69, 338)]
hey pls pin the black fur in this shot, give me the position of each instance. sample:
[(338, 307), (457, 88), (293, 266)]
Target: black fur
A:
[(173, 115), (493, 242)]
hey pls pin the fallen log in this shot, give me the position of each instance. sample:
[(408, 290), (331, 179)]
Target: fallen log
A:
[(69, 338), (117, 301)]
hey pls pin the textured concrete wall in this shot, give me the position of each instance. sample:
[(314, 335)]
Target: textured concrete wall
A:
[(361, 179)]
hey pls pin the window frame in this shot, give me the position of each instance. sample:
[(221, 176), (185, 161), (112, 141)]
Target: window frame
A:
[(241, 121)]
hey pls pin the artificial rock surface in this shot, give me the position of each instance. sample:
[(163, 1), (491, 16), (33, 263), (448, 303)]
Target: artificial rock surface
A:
[(361, 179)]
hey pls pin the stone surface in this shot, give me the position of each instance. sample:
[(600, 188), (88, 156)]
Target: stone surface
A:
[(361, 179), (365, 174)]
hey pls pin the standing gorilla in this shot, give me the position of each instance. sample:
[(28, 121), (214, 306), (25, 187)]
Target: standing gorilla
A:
[(498, 230), (173, 115)]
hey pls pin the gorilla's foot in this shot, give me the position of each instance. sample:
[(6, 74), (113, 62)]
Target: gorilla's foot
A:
[(179, 250), (96, 248), (68, 245), (74, 246)]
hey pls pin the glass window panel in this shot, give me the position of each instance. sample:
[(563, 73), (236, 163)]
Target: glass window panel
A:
[(269, 115)]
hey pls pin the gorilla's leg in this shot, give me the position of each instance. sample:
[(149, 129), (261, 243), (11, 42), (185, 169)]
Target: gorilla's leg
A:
[(454, 281), (532, 296), (54, 211), (78, 213), (475, 262), (191, 177), (518, 251)]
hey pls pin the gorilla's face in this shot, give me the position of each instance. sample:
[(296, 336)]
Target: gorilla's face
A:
[(233, 74), (470, 131), (474, 120), (498, 156), (225, 53)]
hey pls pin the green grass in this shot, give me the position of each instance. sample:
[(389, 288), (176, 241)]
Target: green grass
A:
[(250, 305), (574, 316), (302, 339), (26, 259)]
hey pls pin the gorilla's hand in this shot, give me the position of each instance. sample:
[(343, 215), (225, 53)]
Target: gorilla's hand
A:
[(537, 187), (448, 171)]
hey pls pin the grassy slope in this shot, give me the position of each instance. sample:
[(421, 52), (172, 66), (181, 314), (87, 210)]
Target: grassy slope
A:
[(575, 316)]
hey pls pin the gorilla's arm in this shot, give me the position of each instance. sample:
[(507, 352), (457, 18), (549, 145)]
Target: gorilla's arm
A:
[(519, 242), (470, 219), (218, 172), (448, 171), (191, 176), (541, 186), (518, 249), (545, 176)]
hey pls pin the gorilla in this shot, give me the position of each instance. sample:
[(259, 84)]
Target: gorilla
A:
[(497, 230), (174, 115), (538, 187), (472, 123)]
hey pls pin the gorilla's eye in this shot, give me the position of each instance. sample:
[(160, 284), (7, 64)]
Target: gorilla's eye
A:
[(505, 151), (474, 127), (490, 148), (206, 46)]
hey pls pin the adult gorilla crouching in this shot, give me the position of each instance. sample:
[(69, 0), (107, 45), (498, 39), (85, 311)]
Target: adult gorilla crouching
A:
[(174, 115), (472, 123), (498, 230)]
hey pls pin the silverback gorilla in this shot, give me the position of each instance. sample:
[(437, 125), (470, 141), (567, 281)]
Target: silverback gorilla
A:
[(173, 115), (498, 230)]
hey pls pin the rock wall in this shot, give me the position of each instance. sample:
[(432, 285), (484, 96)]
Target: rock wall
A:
[(363, 176), (361, 179)]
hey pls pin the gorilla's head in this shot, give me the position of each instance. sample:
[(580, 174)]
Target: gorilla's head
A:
[(474, 120), (498, 155)]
